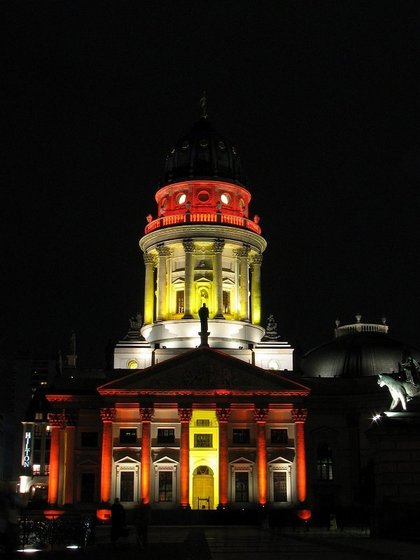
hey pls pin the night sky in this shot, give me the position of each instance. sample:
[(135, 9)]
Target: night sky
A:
[(320, 98)]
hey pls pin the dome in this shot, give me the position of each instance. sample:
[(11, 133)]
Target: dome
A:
[(203, 154), (358, 350)]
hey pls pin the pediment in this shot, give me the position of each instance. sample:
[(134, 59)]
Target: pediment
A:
[(165, 459), (242, 461), (204, 371), (286, 457), (125, 457)]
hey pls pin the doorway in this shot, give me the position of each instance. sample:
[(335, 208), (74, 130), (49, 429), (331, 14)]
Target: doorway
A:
[(203, 488)]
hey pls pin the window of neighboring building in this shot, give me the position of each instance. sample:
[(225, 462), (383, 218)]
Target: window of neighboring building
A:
[(166, 435), (165, 486), (280, 486), (89, 439), (240, 435), (241, 487), (324, 462), (180, 301), (203, 440), (127, 486), (87, 487), (279, 436), (128, 435)]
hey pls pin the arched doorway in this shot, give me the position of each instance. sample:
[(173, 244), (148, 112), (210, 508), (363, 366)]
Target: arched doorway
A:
[(203, 488)]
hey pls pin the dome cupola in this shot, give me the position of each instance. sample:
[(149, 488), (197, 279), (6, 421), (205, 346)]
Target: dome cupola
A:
[(203, 154), (359, 349)]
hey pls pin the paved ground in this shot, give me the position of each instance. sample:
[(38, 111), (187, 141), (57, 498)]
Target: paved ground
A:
[(239, 543)]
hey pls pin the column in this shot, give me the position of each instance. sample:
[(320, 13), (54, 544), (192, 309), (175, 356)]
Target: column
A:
[(299, 416), (56, 422), (163, 252), (146, 414), (218, 246), (149, 296), (223, 417), (189, 277), (242, 254), (68, 485), (185, 415), (108, 416), (260, 415), (256, 289)]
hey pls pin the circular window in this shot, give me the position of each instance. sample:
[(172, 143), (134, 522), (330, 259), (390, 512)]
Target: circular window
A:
[(203, 196), (132, 364), (225, 198), (273, 364), (204, 143), (181, 198)]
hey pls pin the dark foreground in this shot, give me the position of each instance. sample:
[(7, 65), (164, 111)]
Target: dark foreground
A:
[(237, 543)]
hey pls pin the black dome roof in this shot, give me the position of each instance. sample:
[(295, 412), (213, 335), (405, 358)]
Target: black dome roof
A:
[(204, 154), (357, 355)]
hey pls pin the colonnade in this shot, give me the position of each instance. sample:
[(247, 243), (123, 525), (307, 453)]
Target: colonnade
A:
[(61, 477), (161, 262)]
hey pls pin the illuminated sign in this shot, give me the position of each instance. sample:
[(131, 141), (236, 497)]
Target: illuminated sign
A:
[(27, 450)]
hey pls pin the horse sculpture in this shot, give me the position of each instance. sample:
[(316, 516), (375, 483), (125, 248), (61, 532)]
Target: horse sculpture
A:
[(401, 391)]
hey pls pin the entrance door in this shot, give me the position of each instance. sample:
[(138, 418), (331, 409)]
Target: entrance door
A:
[(203, 488)]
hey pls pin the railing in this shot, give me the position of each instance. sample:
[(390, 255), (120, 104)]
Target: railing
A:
[(202, 218), (36, 531)]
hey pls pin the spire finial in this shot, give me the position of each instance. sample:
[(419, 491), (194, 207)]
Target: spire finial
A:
[(203, 105)]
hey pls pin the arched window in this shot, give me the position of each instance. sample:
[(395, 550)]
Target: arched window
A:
[(324, 462)]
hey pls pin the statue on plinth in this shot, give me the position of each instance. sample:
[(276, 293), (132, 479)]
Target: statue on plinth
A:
[(203, 313)]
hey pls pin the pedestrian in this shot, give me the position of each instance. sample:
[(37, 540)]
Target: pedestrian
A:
[(142, 524), (117, 521)]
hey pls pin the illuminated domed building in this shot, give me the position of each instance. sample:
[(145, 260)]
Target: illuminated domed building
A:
[(203, 408)]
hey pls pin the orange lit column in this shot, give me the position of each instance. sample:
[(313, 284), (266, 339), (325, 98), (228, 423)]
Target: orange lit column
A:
[(108, 416), (218, 276), (185, 415), (260, 418), (69, 461), (163, 252), (189, 277), (256, 290), (223, 417), (299, 416), (146, 418), (149, 296), (56, 422)]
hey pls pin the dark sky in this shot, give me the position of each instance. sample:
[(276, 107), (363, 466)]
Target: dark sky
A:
[(320, 98)]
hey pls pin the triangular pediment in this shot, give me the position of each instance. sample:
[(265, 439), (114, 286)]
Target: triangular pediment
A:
[(119, 458), (165, 459), (242, 461), (203, 371), (286, 457)]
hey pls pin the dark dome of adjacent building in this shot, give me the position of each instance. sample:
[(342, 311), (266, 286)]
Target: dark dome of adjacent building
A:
[(359, 350), (203, 153)]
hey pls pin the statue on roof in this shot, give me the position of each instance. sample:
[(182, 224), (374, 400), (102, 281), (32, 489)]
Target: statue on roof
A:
[(400, 391), (136, 323), (271, 329), (410, 369)]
